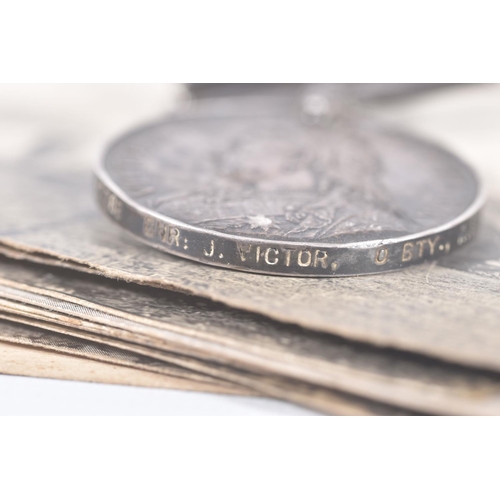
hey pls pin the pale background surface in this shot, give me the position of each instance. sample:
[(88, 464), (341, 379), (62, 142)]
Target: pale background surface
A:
[(38, 396)]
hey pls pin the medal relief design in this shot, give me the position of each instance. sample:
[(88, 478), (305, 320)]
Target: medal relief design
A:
[(277, 179)]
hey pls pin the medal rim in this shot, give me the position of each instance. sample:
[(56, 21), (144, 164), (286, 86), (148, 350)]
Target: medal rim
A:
[(106, 180)]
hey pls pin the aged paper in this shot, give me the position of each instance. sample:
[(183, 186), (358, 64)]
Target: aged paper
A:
[(91, 348), (449, 310), (243, 382), (16, 359), (173, 328)]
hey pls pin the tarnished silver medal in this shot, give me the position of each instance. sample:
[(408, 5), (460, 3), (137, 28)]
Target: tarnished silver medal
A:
[(267, 188)]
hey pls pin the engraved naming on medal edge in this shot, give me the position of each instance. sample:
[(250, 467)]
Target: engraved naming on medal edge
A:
[(155, 229), (271, 194), (287, 257)]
